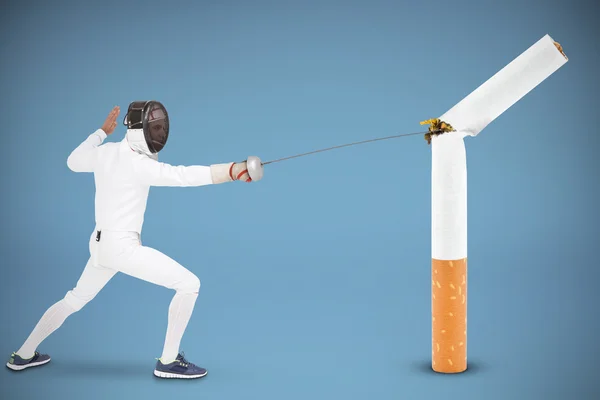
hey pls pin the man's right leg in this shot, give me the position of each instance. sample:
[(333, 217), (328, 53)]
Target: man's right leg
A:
[(92, 280), (153, 266)]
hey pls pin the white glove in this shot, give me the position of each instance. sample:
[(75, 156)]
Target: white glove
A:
[(247, 171), (239, 172), (229, 172)]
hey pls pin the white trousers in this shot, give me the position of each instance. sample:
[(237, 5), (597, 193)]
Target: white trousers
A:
[(123, 252)]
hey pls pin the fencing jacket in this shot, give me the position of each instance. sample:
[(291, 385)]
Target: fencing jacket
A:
[(123, 177)]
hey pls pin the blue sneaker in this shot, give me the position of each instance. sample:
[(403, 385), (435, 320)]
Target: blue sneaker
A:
[(17, 363), (179, 369)]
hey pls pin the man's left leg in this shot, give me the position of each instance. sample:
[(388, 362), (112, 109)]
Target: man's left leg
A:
[(91, 282)]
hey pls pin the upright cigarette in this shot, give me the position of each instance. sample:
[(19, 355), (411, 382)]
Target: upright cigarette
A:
[(449, 194)]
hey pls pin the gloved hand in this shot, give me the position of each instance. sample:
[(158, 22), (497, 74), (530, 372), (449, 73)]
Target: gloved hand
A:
[(247, 171), (251, 170), (239, 172)]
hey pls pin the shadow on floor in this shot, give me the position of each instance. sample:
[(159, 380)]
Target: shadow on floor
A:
[(105, 368), (473, 367)]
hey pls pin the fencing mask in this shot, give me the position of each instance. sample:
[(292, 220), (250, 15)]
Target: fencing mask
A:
[(147, 127)]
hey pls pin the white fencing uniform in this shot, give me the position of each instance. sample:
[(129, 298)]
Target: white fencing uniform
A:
[(123, 177)]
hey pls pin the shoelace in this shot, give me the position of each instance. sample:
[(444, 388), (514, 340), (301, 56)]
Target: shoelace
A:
[(183, 362)]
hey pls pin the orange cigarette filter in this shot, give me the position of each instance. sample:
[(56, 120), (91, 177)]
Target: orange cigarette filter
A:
[(449, 315)]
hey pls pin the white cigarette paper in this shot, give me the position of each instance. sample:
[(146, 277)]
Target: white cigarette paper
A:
[(469, 117), (449, 197)]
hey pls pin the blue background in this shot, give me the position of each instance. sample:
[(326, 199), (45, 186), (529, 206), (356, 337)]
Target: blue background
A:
[(315, 280)]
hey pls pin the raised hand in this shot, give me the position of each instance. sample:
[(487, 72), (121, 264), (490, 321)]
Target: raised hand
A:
[(111, 121)]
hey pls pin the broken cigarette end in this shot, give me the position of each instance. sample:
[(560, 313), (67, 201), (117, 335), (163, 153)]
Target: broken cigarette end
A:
[(560, 48), (436, 127)]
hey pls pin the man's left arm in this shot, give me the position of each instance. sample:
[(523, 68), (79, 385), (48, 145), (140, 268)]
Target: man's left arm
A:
[(83, 158)]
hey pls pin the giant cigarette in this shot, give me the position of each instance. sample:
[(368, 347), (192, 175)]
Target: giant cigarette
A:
[(449, 194)]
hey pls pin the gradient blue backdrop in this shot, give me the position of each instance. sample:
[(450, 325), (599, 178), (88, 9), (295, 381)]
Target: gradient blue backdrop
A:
[(316, 280)]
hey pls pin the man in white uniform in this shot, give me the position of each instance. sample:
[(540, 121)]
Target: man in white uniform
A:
[(123, 173)]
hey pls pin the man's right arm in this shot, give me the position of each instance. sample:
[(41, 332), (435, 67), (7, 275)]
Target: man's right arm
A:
[(155, 173)]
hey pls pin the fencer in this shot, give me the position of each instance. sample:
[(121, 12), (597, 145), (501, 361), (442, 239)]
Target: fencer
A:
[(123, 172)]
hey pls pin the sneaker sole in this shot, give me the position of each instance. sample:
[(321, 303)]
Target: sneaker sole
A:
[(169, 375), (22, 367)]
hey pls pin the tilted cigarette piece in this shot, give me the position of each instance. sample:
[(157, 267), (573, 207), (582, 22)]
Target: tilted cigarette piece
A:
[(486, 103)]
